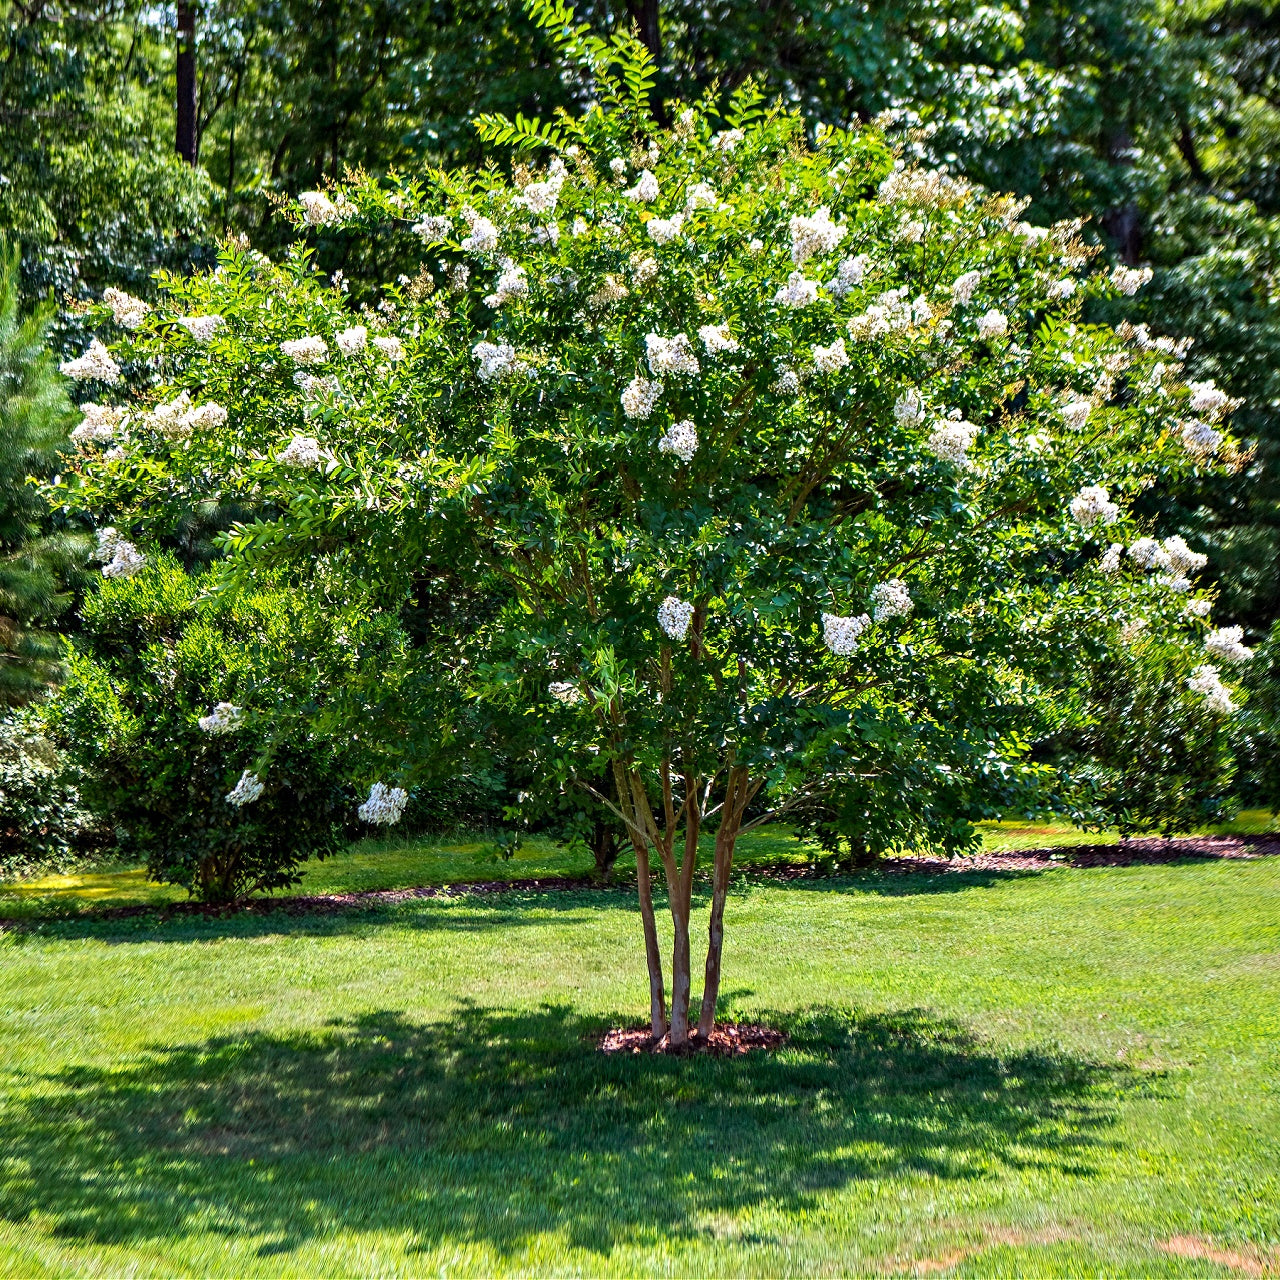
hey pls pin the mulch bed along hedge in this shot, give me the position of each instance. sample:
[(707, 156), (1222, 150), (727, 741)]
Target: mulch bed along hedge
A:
[(1152, 849), (727, 1040)]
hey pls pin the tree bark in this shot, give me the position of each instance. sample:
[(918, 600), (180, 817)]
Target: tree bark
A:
[(680, 889), (644, 884), (185, 69), (644, 13)]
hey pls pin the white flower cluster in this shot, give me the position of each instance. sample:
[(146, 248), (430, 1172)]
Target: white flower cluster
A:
[(306, 351), (224, 718), (246, 791), (391, 348), (840, 635), (1198, 608), (994, 324), (1208, 684), (433, 228), (1226, 643), (96, 365), (565, 691), (952, 439), (1061, 290), (727, 140), (541, 197), (1210, 401), (910, 231), (178, 418), (313, 385), (122, 558), (1200, 439), (385, 805), (319, 211), (702, 195), (511, 284), (128, 311), (498, 360), (849, 275), (717, 338), (831, 359), (963, 286), (814, 235), (681, 439), (891, 600), (639, 396), (609, 291), (674, 616), (889, 313), (201, 328), (352, 341), (923, 187), (1110, 562), (670, 355), (908, 409), (664, 230), (1093, 505), (797, 292), (483, 237), (100, 422), (1076, 413), (1128, 280), (646, 188), (1174, 559), (301, 451)]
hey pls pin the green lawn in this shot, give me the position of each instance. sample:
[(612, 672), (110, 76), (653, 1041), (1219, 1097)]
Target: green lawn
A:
[(1072, 1072), (407, 863)]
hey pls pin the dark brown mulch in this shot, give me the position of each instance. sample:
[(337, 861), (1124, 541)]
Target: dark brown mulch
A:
[(726, 1041)]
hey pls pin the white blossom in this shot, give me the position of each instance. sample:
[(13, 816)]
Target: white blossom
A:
[(755, 247), (609, 291), (1128, 280), (318, 210), (580, 227), (565, 691), (305, 351), (1110, 562), (1092, 506), (618, 166), (391, 348), (681, 438), (1076, 413), (434, 228), (830, 359), (511, 284), (1211, 402), (541, 197), (910, 231), (1200, 608), (674, 616), (849, 275), (889, 313), (797, 292), (643, 268), (922, 187), (963, 286), (126, 559), (891, 600), (702, 195), (952, 439), (483, 237), (497, 361), (670, 355), (1226, 643), (840, 635), (1200, 439), (201, 328), (1217, 697), (353, 340), (664, 230), (994, 324), (646, 188), (1182, 558), (100, 422), (224, 718), (456, 276), (908, 408), (727, 140), (815, 234), (547, 234), (788, 382), (128, 311), (1061, 290), (385, 805), (95, 365), (716, 338), (301, 451), (246, 791), (640, 396), (314, 386)]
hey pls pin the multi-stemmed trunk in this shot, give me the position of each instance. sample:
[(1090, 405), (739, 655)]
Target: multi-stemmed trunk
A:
[(646, 833)]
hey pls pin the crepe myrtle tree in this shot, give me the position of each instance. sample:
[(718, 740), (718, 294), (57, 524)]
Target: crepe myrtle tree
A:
[(760, 436)]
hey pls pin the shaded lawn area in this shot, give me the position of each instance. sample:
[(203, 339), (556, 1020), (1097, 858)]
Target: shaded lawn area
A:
[(400, 863), (986, 1073)]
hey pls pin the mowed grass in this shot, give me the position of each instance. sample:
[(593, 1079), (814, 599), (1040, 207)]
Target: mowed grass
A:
[(402, 863), (1072, 1072)]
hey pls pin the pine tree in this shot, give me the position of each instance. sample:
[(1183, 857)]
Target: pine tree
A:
[(35, 417)]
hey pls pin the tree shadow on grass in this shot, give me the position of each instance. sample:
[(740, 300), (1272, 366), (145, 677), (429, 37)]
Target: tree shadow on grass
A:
[(498, 1125)]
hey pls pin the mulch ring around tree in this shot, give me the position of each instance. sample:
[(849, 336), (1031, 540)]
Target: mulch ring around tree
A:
[(727, 1040)]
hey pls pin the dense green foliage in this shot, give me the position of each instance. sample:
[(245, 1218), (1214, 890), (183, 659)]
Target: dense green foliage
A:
[(154, 655)]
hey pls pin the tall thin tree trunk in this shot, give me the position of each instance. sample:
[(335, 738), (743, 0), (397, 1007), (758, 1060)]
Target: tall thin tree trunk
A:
[(644, 883), (185, 69), (681, 891), (738, 793)]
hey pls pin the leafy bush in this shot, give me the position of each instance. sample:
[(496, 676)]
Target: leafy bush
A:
[(156, 655)]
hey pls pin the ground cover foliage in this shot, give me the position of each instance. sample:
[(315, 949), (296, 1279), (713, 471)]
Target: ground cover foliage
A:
[(1059, 1073)]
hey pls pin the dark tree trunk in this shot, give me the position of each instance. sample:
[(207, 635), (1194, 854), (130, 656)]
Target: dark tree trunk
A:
[(644, 13), (186, 83), (604, 848)]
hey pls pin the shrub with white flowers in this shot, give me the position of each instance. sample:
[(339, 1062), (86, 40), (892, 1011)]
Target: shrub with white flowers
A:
[(882, 547)]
